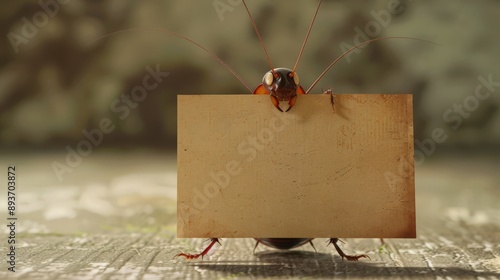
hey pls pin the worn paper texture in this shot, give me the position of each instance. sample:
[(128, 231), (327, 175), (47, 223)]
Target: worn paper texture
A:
[(247, 170)]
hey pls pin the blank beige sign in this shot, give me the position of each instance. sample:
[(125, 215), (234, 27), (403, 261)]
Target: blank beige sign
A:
[(247, 170)]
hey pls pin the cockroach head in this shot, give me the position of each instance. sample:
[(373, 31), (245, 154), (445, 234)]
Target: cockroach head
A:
[(282, 83)]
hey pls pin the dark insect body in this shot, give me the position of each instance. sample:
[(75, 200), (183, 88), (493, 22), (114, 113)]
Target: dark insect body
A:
[(281, 84)]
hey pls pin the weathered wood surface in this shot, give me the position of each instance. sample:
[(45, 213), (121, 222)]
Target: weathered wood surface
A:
[(114, 218)]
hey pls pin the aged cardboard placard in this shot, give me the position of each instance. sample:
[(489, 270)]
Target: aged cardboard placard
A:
[(247, 170)]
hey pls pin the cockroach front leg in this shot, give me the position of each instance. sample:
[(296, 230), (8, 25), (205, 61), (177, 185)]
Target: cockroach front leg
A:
[(195, 256), (342, 254), (332, 98)]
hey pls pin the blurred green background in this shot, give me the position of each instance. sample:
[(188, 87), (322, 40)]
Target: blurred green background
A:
[(56, 82)]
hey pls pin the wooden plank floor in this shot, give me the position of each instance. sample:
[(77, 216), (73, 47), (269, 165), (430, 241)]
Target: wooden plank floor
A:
[(113, 217)]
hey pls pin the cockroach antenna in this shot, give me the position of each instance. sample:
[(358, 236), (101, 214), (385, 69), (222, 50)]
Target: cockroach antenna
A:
[(356, 47), (260, 38), (170, 33)]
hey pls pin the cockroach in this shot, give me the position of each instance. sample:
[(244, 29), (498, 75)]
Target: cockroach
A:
[(281, 84)]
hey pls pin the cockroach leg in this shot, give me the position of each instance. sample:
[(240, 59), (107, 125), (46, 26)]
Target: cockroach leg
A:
[(332, 98), (342, 254), (256, 244), (195, 256), (310, 242)]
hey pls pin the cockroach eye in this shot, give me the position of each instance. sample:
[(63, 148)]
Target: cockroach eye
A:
[(268, 79), (296, 78)]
